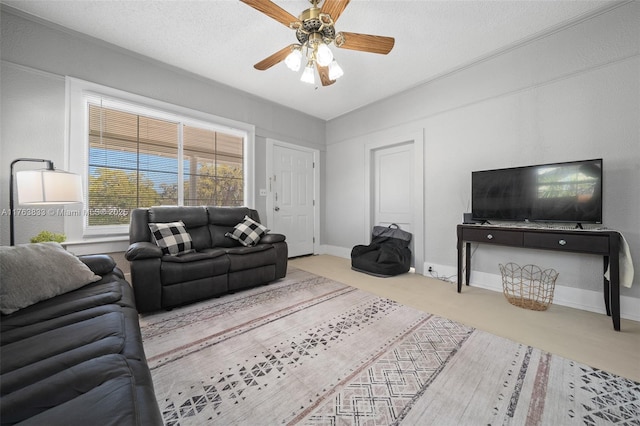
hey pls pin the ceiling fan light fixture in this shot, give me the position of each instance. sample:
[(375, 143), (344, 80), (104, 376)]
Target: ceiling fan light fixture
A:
[(315, 31), (324, 56), (335, 70), (294, 59), (308, 74)]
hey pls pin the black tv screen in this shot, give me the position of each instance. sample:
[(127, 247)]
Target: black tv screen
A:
[(558, 192)]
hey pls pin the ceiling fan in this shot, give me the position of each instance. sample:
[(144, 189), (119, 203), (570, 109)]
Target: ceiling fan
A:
[(315, 31)]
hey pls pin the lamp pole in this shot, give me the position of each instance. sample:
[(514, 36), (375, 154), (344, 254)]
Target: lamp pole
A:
[(11, 212)]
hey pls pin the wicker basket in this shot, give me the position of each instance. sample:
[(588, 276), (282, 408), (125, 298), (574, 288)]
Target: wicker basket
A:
[(528, 286)]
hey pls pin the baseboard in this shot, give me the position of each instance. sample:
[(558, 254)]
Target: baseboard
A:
[(342, 252), (587, 300), (441, 272)]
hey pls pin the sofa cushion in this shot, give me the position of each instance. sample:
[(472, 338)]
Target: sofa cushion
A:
[(195, 220), (171, 237), (34, 272), (245, 258), (223, 219), (191, 216), (200, 237), (193, 256), (15, 334), (230, 216), (105, 331), (207, 268), (107, 291), (247, 232), (96, 375)]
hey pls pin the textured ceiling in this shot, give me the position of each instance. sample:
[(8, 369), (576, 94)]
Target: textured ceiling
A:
[(222, 39)]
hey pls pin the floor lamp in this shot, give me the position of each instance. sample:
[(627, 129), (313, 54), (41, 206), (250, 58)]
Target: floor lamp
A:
[(42, 187)]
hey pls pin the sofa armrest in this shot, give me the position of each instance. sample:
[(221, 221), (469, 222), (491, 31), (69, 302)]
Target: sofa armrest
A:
[(146, 280), (142, 250), (272, 238), (100, 264)]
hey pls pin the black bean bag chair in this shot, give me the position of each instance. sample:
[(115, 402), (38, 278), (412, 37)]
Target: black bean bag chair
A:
[(387, 255)]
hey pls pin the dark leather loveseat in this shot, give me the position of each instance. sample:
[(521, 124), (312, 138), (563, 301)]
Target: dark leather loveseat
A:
[(217, 265), (77, 358)]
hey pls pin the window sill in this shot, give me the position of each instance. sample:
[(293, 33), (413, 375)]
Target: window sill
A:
[(98, 245)]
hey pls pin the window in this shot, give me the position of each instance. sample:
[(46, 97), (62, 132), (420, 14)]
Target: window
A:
[(212, 168), (136, 155), (134, 162)]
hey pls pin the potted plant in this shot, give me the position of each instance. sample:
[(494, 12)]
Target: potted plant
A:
[(45, 236)]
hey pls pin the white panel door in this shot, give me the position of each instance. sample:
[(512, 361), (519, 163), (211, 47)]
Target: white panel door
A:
[(393, 190), (293, 198)]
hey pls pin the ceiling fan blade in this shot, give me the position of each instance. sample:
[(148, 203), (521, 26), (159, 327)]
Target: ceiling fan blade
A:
[(271, 9), (277, 57), (334, 8), (365, 42), (324, 75)]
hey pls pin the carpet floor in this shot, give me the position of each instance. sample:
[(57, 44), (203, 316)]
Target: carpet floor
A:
[(310, 350)]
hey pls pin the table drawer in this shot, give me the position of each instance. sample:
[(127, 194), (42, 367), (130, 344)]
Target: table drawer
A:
[(568, 242), (494, 236)]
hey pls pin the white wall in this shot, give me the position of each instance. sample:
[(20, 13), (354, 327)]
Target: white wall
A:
[(573, 94), (37, 55), (570, 95)]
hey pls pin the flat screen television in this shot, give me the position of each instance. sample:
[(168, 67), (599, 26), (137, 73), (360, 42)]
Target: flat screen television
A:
[(557, 192)]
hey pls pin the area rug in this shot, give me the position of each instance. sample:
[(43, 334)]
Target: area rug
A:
[(309, 350)]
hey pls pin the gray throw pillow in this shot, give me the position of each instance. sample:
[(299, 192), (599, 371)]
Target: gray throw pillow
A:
[(31, 273)]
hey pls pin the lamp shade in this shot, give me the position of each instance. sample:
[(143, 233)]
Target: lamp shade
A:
[(48, 187), (307, 74), (324, 55), (294, 60), (335, 71)]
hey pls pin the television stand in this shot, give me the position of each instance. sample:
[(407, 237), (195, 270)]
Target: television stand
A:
[(602, 243)]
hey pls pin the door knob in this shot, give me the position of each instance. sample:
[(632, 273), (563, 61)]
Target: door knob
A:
[(276, 208)]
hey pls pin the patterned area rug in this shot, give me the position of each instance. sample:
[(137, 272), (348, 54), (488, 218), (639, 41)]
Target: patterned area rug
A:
[(309, 350)]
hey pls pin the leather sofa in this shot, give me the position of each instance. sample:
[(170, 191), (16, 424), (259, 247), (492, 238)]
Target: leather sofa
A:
[(77, 358), (218, 264)]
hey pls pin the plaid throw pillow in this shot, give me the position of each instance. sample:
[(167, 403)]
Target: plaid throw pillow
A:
[(171, 237), (247, 232)]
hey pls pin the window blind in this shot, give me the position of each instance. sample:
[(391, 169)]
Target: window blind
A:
[(135, 159)]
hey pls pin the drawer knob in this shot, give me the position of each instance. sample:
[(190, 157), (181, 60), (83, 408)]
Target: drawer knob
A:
[(490, 237), (562, 242)]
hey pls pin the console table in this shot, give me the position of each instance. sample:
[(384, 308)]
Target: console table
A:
[(603, 243)]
